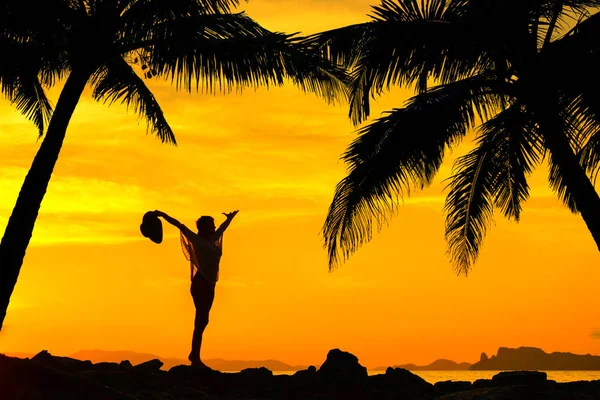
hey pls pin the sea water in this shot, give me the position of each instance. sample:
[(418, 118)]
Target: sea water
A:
[(472, 376)]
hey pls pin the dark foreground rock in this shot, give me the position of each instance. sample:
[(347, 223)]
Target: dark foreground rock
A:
[(340, 377)]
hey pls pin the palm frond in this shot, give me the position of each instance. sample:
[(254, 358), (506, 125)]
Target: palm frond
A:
[(469, 204), (30, 99), (589, 157), (558, 17), (581, 122), (166, 9), (558, 184), (397, 153), (420, 54), (311, 73), (412, 42), (117, 81), (521, 150), (233, 51), (387, 160), (417, 10), (492, 174), (579, 100), (220, 65), (342, 45)]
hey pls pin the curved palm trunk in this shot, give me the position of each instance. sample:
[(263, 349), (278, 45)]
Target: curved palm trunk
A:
[(579, 185), (22, 220)]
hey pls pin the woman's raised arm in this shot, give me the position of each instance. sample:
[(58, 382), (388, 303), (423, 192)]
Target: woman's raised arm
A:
[(184, 229), (224, 225)]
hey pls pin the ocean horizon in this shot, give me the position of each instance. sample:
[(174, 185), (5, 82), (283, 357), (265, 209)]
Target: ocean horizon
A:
[(472, 376)]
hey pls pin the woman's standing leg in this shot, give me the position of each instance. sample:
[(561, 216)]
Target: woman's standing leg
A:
[(203, 294)]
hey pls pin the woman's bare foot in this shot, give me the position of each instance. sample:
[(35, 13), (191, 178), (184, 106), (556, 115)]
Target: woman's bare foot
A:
[(193, 359), (200, 364), (196, 362)]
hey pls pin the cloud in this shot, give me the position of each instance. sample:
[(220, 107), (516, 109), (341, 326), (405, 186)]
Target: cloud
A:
[(595, 334)]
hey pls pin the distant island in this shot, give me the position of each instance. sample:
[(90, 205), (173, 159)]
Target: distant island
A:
[(532, 358), (437, 365), (97, 356), (507, 359)]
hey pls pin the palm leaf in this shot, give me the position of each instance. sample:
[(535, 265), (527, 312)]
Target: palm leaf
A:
[(397, 153), (341, 46), (117, 81), (411, 42), (579, 100), (30, 99), (311, 73), (590, 157), (580, 126), (493, 174), (165, 9), (233, 51)]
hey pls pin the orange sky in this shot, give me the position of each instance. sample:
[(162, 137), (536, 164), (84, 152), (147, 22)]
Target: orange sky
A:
[(91, 281)]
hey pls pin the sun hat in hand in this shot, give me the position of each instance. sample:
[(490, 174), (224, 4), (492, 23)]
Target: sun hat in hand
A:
[(151, 227)]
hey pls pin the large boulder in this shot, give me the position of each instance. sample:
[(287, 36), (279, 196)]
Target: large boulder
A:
[(149, 366), (511, 378), (112, 366), (445, 387), (28, 380), (400, 382), (404, 377), (342, 368), (310, 373), (61, 363), (257, 373), (200, 376)]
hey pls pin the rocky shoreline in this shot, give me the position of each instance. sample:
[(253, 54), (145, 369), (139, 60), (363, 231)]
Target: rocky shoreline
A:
[(340, 377)]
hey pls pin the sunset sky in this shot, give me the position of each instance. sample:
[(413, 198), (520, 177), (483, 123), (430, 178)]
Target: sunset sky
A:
[(91, 281)]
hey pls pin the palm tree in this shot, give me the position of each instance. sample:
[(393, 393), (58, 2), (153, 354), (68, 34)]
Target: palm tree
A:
[(520, 72), (197, 44)]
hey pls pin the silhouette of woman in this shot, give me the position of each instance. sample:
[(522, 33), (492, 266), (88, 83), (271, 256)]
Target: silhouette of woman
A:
[(203, 250)]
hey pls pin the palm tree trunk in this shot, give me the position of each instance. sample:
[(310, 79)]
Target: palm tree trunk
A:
[(578, 184), (22, 220)]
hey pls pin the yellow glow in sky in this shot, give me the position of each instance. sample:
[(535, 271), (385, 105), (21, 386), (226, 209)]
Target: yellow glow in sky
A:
[(91, 281)]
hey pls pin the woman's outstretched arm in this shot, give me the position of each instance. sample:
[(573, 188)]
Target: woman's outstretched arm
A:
[(184, 229), (224, 225)]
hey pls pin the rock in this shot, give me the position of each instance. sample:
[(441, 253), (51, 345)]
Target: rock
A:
[(400, 382), (404, 377), (61, 363), (193, 374), (152, 365), (482, 383), (116, 379), (564, 391), (511, 378), (447, 387), (342, 368), (311, 372), (483, 357), (125, 364), (107, 366), (28, 380), (184, 392), (257, 373)]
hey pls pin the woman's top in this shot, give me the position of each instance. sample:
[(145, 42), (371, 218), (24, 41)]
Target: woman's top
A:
[(204, 255)]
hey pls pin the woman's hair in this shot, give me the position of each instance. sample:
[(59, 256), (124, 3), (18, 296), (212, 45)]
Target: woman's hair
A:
[(203, 220)]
